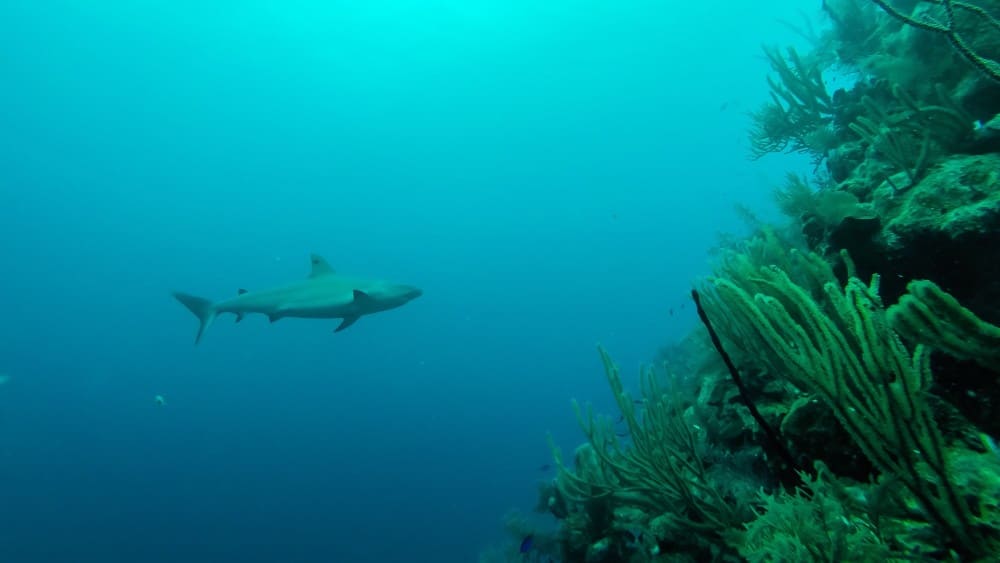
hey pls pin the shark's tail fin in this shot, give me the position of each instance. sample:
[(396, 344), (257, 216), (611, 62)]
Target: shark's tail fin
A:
[(202, 308)]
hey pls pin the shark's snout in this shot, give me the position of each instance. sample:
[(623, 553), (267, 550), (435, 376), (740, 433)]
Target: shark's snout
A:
[(413, 292)]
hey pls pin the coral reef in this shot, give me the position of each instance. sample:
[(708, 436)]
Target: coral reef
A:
[(841, 405)]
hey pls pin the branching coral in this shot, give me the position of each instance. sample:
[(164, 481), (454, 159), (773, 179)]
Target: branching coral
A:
[(929, 315), (910, 135), (988, 66), (661, 471), (826, 207), (813, 524), (901, 149), (800, 107), (841, 348)]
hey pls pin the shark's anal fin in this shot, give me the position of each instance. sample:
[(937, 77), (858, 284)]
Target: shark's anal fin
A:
[(348, 321), (320, 267), (274, 318), (239, 317)]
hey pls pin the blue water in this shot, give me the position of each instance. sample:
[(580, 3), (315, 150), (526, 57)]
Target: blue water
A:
[(552, 174)]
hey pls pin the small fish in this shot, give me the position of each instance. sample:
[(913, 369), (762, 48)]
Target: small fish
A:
[(527, 543), (545, 467), (159, 400), (633, 538), (988, 443), (621, 419), (988, 129)]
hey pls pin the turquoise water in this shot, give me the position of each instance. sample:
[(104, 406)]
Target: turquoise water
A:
[(551, 174)]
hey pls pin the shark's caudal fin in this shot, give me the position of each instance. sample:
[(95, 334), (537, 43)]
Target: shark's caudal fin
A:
[(202, 308)]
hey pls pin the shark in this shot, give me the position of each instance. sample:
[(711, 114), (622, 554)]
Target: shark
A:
[(324, 294)]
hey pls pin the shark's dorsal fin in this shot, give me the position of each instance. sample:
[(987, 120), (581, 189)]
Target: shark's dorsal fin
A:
[(320, 267)]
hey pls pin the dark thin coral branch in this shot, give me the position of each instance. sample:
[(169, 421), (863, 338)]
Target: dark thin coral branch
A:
[(777, 446), (987, 66)]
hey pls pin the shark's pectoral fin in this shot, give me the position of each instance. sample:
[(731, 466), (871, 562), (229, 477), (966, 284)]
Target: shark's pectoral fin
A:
[(363, 301), (348, 321), (239, 316)]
